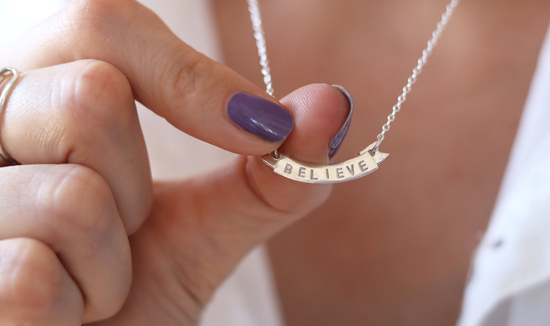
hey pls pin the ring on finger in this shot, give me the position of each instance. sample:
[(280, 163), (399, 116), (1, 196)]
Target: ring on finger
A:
[(7, 87)]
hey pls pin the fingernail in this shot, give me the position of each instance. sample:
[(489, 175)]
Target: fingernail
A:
[(260, 117), (337, 140)]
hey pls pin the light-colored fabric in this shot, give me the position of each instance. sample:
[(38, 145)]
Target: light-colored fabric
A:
[(247, 298), (18, 16), (510, 284)]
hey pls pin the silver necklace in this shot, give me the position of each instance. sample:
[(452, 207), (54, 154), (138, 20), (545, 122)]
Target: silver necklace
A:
[(369, 158)]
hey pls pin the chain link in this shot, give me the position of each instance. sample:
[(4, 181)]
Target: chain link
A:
[(255, 17), (417, 70)]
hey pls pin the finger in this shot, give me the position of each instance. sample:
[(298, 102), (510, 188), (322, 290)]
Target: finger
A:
[(35, 289), (194, 93), (218, 217), (320, 111), (83, 113), (70, 209)]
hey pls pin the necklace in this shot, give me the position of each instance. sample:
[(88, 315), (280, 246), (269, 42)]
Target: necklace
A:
[(369, 158)]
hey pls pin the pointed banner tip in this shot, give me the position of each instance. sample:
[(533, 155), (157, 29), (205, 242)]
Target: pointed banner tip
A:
[(378, 156)]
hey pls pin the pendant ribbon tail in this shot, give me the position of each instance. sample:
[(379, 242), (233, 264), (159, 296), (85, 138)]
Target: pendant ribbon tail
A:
[(377, 155)]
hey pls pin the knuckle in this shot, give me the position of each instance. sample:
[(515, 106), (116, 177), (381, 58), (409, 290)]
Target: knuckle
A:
[(192, 72), (31, 276), (101, 94), (79, 200)]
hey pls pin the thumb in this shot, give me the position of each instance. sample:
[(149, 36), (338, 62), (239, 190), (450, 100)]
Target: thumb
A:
[(219, 217)]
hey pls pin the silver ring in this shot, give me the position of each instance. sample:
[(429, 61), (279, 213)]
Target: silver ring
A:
[(6, 91)]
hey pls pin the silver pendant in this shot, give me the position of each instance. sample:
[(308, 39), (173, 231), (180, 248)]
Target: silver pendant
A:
[(352, 169), (357, 167), (368, 159)]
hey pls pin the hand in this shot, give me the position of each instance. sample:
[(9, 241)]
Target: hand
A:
[(66, 257)]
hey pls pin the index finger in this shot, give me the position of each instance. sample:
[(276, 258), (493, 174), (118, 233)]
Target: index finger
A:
[(194, 93)]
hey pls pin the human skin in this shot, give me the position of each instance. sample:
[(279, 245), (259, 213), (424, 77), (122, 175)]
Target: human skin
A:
[(85, 235), (394, 248)]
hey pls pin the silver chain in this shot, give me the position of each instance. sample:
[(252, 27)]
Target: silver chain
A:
[(256, 18), (416, 71)]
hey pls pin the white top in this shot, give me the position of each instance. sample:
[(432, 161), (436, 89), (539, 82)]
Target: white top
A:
[(510, 282)]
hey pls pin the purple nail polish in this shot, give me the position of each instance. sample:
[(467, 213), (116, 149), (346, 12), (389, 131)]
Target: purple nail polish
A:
[(260, 117), (337, 140)]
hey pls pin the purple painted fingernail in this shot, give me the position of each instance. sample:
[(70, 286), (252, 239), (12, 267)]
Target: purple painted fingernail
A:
[(260, 117), (337, 140)]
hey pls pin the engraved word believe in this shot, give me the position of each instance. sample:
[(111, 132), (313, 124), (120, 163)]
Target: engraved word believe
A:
[(326, 173)]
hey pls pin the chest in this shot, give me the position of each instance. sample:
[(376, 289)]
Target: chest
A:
[(459, 121), (405, 233)]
